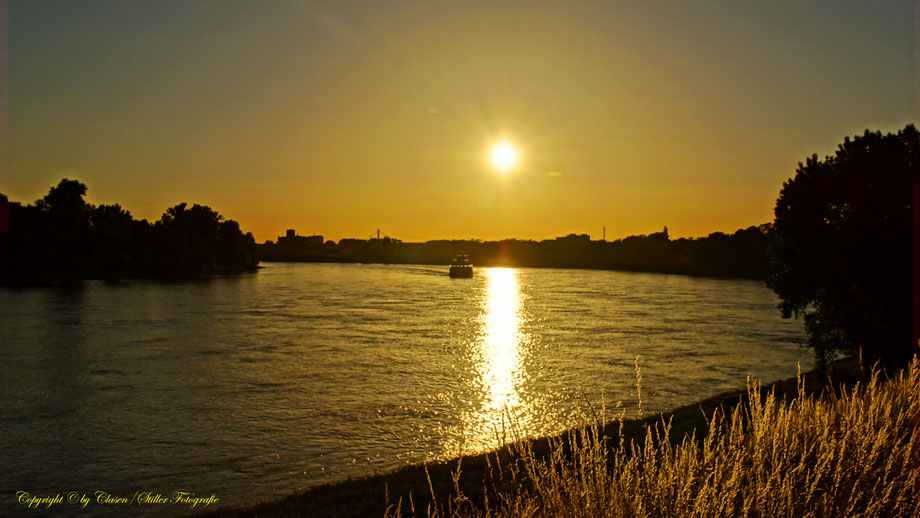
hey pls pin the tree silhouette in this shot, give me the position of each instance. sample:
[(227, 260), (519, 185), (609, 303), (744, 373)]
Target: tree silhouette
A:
[(61, 237), (187, 237), (112, 238), (197, 240), (840, 251), (64, 226)]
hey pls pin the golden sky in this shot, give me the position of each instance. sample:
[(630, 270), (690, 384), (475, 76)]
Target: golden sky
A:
[(339, 118)]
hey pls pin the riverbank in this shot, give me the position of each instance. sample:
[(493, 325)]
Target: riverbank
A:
[(741, 255), (67, 281), (412, 487)]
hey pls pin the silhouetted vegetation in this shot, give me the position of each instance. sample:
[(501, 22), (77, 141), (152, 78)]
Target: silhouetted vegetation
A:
[(61, 238), (841, 247), (768, 457), (740, 255)]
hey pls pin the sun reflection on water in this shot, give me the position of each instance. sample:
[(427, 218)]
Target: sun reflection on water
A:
[(501, 339), (499, 352)]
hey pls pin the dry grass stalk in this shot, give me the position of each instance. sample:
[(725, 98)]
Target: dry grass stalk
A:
[(853, 454)]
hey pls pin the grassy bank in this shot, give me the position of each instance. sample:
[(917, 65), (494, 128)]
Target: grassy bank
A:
[(792, 448)]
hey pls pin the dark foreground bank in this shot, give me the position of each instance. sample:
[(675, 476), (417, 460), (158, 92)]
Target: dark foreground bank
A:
[(413, 486)]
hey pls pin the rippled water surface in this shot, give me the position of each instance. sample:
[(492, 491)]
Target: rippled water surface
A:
[(254, 386)]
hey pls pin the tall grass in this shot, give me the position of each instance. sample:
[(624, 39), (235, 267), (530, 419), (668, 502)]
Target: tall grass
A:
[(852, 453)]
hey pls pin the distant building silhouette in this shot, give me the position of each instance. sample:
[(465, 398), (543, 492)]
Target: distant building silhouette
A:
[(575, 238), (740, 255), (291, 239)]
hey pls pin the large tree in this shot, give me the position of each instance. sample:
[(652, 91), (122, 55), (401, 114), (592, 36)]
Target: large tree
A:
[(840, 252)]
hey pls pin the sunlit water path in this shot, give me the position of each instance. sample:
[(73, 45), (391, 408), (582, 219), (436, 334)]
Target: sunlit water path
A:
[(254, 386)]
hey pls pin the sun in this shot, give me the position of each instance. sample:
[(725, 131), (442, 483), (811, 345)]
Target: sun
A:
[(503, 156)]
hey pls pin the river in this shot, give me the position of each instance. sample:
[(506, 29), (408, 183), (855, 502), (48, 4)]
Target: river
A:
[(253, 386)]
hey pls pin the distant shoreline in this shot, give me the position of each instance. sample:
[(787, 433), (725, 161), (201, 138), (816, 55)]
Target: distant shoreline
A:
[(741, 255), (70, 280), (67, 280), (506, 265)]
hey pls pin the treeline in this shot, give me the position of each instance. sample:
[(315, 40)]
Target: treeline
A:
[(742, 254), (61, 237)]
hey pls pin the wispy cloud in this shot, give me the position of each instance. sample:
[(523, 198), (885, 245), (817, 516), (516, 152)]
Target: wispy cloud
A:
[(433, 110), (555, 173)]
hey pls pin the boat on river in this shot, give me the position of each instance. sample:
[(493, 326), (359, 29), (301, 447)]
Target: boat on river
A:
[(460, 267)]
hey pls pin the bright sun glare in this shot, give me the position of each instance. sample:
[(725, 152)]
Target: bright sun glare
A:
[(503, 156)]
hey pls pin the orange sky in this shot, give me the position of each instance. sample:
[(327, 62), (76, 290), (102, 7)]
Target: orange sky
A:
[(341, 118)]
